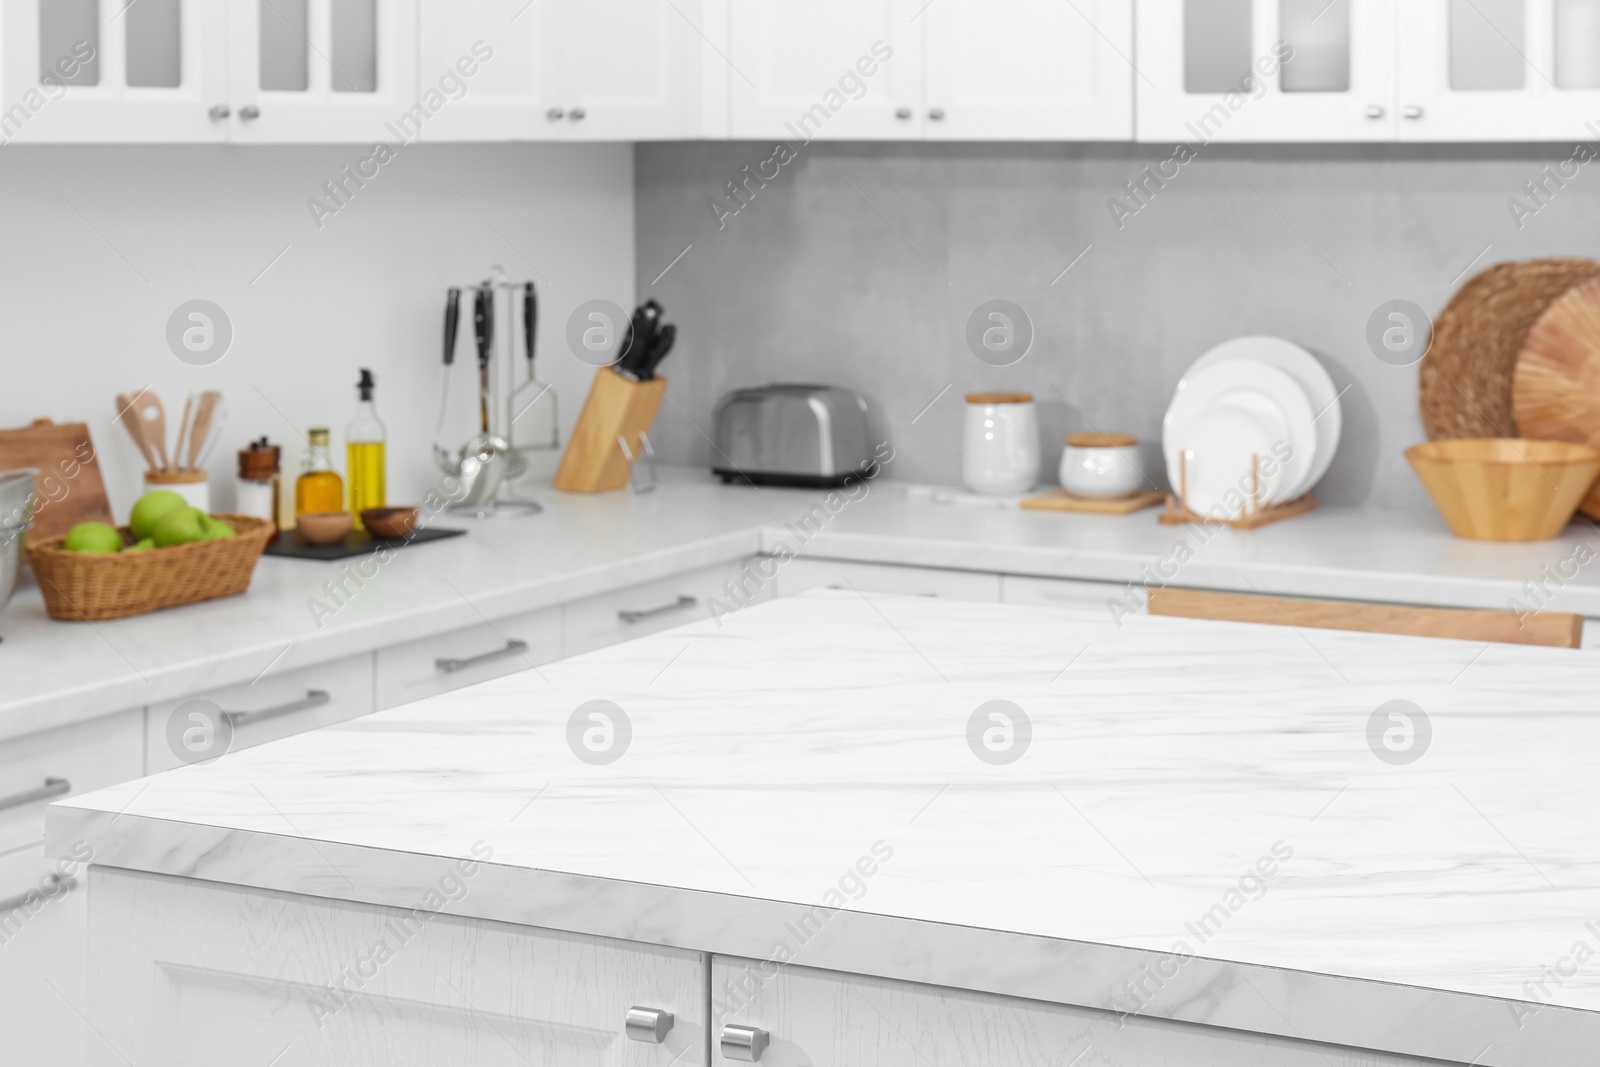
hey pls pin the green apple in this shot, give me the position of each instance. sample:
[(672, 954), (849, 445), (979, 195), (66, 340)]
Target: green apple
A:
[(180, 526), (92, 537), (151, 509), (216, 529), (141, 546)]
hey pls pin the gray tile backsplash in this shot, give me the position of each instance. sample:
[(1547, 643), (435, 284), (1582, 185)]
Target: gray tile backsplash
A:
[(859, 264)]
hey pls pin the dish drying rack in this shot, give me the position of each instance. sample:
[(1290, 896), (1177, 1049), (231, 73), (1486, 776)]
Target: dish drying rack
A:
[(1255, 513)]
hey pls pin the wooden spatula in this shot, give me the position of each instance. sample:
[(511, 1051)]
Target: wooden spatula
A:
[(128, 415), (201, 428)]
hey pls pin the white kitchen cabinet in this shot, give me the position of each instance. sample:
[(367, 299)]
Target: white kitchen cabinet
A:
[(797, 575), (814, 1017), (1023, 70), (417, 669), (513, 49), (278, 704), (108, 71), (623, 614), (1069, 593), (1218, 70), (1499, 70), (250, 975)]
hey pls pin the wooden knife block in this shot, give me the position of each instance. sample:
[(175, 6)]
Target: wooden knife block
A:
[(615, 407)]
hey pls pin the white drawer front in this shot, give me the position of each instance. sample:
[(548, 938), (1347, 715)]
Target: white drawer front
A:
[(817, 1017), (278, 704), (1071, 593), (39, 768), (598, 621), (798, 575), (449, 661)]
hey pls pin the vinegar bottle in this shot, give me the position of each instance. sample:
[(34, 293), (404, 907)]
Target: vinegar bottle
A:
[(319, 487), (364, 458)]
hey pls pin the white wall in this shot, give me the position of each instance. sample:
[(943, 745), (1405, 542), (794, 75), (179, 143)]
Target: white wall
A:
[(101, 244)]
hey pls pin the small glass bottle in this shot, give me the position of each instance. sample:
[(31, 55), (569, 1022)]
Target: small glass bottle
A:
[(364, 453), (319, 487)]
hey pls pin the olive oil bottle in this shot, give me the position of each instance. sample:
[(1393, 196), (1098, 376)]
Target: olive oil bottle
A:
[(319, 487), (364, 453)]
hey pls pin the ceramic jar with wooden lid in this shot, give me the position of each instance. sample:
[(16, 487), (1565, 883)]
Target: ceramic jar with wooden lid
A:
[(1000, 455), (1101, 465)]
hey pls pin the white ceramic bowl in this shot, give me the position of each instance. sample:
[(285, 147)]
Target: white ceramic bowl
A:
[(1101, 465)]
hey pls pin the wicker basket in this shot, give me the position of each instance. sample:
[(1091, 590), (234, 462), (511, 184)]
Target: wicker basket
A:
[(80, 587)]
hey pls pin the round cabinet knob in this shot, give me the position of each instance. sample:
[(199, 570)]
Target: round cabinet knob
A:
[(744, 1043), (1375, 111), (555, 114), (219, 112), (1413, 112), (577, 114), (249, 112), (903, 114), (650, 1025), (936, 114)]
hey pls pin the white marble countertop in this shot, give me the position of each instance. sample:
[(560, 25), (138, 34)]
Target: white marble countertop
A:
[(1193, 787), (54, 673)]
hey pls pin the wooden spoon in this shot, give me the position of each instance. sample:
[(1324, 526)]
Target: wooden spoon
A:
[(153, 417), (129, 417), (201, 429)]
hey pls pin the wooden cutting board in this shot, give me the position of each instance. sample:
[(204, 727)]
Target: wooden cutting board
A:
[(1061, 500), (69, 486), (1555, 392)]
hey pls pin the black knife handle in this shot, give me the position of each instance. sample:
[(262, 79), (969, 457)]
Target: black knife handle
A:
[(530, 319), (483, 323), (452, 320)]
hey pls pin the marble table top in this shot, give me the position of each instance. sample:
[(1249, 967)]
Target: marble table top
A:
[(1212, 822)]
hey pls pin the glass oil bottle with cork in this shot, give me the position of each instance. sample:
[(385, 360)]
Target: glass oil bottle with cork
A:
[(319, 487)]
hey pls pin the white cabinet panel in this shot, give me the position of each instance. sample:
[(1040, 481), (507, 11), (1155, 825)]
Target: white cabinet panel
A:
[(1066, 593), (273, 706), (798, 575), (449, 661), (630, 69), (650, 607), (826, 69), (823, 1017), (512, 49), (247, 976), (1334, 82), (1029, 70)]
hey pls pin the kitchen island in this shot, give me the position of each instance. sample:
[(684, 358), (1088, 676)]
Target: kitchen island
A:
[(888, 830)]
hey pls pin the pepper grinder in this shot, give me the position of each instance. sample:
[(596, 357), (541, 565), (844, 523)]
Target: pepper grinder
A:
[(256, 491)]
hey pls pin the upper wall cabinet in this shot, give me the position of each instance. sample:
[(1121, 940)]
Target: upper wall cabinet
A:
[(949, 70), (1266, 70)]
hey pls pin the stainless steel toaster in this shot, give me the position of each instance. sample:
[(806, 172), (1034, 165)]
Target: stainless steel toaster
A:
[(799, 435)]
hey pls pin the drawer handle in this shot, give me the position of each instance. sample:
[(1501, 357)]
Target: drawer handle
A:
[(513, 647), (744, 1043), (684, 601), (52, 880), (314, 698), (650, 1025), (53, 787)]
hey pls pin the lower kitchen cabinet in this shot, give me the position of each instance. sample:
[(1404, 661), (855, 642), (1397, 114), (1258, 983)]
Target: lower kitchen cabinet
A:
[(624, 614), (418, 669), (273, 706), (1068, 593), (824, 1017), (256, 977), (798, 575)]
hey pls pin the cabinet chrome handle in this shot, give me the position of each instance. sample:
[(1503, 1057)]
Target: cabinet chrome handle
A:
[(650, 1025), (684, 601), (577, 114), (1412, 112), (53, 787), (1375, 111), (513, 647), (314, 698), (53, 880), (744, 1043), (903, 114), (219, 112), (936, 114), (555, 114), (249, 112)]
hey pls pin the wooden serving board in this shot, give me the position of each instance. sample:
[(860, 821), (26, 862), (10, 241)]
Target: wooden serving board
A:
[(69, 486), (1061, 500)]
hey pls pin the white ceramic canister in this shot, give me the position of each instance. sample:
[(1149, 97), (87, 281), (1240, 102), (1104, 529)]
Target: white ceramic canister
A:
[(191, 485), (1101, 465), (1000, 455)]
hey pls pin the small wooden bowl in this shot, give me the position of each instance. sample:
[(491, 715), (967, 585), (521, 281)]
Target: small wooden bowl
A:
[(324, 527), (1505, 488), (389, 524)]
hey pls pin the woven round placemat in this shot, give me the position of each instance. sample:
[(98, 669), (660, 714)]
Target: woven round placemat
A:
[(1464, 385)]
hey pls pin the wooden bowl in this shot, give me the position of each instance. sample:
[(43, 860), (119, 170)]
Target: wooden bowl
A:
[(324, 527), (1505, 488), (389, 524)]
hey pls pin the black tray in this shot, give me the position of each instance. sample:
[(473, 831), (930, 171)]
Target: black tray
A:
[(290, 544)]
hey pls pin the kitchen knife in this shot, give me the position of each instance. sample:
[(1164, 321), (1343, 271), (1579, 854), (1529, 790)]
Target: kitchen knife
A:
[(483, 329), (452, 319), (658, 351), (641, 337), (530, 321)]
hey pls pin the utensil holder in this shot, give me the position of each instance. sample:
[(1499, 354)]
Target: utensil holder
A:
[(193, 486), (595, 460), (1254, 513)]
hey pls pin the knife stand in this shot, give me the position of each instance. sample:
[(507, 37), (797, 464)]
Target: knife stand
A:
[(616, 414), (1254, 513)]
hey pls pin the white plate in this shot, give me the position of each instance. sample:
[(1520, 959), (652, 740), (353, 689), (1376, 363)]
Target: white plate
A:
[(1223, 414), (1304, 368)]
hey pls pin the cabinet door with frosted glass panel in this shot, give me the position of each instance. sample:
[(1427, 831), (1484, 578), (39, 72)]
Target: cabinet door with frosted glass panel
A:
[(1499, 70), (111, 70), (325, 70), (1266, 70)]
